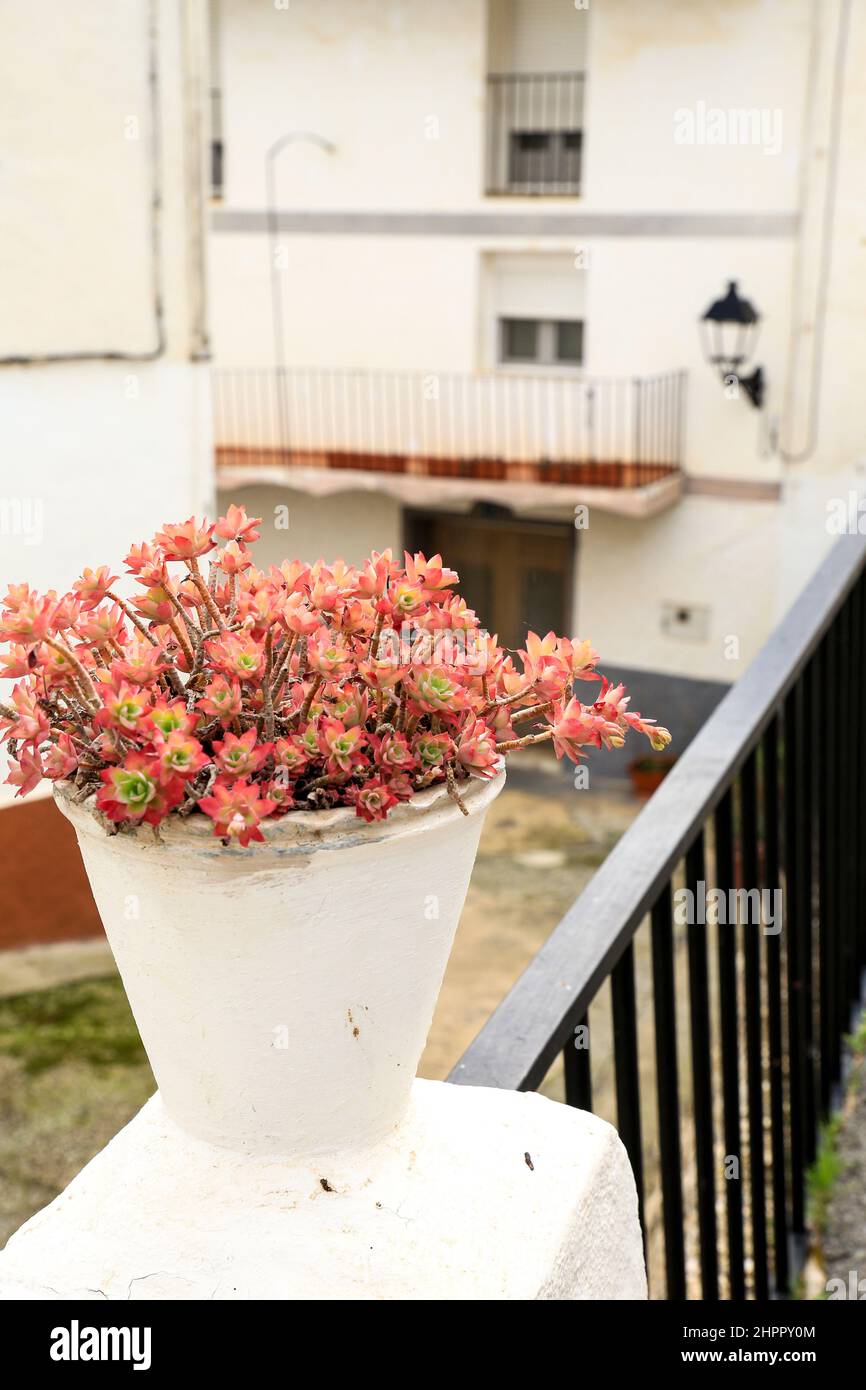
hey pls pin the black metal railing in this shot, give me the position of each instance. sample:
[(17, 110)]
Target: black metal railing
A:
[(557, 429), (534, 132), (771, 795)]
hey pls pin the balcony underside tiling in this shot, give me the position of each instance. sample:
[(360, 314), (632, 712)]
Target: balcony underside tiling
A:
[(638, 490)]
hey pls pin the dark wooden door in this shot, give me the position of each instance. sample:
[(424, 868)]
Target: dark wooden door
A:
[(516, 575)]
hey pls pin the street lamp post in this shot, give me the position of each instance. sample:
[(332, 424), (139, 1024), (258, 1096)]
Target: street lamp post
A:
[(729, 331)]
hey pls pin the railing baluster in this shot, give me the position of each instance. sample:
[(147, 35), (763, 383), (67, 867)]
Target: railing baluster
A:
[(797, 1060), (578, 1073), (729, 1031), (626, 1064), (667, 1092), (852, 639), (770, 749), (754, 1050), (699, 1011), (824, 661), (838, 755), (804, 881), (843, 757), (859, 700)]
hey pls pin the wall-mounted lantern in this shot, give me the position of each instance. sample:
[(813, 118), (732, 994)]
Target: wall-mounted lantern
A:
[(729, 332)]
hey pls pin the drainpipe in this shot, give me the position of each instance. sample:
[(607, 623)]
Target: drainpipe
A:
[(809, 316)]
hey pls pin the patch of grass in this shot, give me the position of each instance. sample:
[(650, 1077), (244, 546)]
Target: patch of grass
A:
[(824, 1173), (72, 1073), (87, 1021), (857, 1040)]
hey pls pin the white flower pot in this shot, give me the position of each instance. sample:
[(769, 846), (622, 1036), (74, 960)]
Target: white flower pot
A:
[(284, 993)]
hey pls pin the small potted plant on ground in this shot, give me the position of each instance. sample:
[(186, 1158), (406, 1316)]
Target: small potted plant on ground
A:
[(278, 782), (648, 773)]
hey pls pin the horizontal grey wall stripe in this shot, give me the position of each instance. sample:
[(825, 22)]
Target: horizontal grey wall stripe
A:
[(575, 224)]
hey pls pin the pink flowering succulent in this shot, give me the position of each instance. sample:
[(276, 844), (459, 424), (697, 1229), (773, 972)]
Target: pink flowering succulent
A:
[(243, 696)]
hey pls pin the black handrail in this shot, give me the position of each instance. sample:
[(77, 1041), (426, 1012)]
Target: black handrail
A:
[(746, 784)]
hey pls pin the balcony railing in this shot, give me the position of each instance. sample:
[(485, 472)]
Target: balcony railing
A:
[(534, 132), (770, 795), (610, 433)]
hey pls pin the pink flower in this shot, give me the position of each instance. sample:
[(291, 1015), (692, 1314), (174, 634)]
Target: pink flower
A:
[(25, 772), (123, 707), (178, 755), (30, 621), (31, 724), (236, 811), (429, 574), (578, 725), (15, 662), (240, 657), (155, 605), (327, 656), (222, 699), (239, 757), (141, 663), (290, 755), (93, 586), (141, 557), (432, 750), (583, 662), (546, 665), (237, 526), (330, 585), (392, 753), (234, 558), (402, 599), (400, 785), (352, 706), (99, 627), (294, 574), (476, 749), (185, 542), (60, 758), (381, 673), (436, 690), (341, 747), (171, 716), (373, 576), (298, 616), (373, 801), (280, 790), (134, 792), (66, 613)]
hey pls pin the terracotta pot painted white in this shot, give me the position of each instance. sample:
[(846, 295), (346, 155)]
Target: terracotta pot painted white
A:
[(284, 993)]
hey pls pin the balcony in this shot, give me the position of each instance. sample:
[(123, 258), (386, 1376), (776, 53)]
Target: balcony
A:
[(534, 133), (496, 436)]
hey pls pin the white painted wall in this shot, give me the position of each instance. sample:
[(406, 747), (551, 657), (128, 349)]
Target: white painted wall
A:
[(648, 61), (347, 526), (315, 67), (716, 554), (97, 453), (102, 450)]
